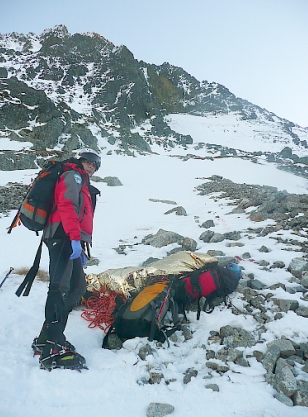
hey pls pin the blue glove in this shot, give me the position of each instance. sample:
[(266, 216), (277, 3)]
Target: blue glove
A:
[(77, 249), (83, 259)]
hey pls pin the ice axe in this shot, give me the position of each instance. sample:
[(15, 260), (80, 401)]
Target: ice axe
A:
[(7, 275)]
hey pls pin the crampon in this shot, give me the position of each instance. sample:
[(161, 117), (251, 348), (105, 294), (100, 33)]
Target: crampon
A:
[(38, 347), (61, 359)]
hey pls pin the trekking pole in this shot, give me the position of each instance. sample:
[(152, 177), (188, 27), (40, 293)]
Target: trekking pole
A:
[(7, 275)]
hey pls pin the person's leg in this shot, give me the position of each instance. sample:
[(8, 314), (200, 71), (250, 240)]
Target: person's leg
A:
[(77, 289), (60, 272), (55, 354), (59, 306)]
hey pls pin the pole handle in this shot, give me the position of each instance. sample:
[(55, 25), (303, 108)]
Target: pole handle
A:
[(11, 269)]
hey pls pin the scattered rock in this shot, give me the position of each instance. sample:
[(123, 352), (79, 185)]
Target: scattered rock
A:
[(159, 409), (302, 311), (112, 181), (285, 381), (179, 211), (297, 266), (280, 396), (114, 342), (187, 333), (286, 305), (189, 374), (163, 201), (264, 249), (301, 395), (207, 224), (145, 351), (155, 377), (165, 238), (213, 387), (206, 236), (227, 354), (161, 238)]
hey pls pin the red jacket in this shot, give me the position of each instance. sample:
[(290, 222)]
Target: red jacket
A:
[(73, 208)]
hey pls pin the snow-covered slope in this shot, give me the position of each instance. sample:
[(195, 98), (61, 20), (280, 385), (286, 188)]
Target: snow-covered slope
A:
[(115, 382)]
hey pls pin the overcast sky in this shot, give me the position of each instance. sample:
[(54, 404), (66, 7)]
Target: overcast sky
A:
[(258, 49)]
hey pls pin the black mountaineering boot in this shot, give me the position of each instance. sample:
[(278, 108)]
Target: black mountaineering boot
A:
[(38, 346), (54, 356)]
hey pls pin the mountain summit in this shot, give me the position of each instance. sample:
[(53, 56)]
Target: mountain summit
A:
[(63, 91)]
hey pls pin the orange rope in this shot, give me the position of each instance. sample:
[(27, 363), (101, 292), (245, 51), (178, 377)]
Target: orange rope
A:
[(100, 308)]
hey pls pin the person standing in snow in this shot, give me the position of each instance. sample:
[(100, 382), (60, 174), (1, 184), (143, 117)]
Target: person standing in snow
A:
[(68, 230)]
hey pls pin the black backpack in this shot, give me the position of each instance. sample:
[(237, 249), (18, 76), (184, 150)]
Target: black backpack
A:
[(38, 201), (37, 204), (143, 315)]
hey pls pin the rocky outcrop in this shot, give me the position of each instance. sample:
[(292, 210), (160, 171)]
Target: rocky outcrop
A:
[(29, 115), (66, 90), (288, 210)]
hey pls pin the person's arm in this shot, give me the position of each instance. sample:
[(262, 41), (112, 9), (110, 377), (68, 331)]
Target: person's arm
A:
[(68, 191)]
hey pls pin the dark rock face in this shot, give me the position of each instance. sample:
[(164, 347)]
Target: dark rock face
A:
[(57, 89), (23, 105)]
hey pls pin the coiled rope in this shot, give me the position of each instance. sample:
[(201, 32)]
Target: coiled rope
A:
[(100, 308)]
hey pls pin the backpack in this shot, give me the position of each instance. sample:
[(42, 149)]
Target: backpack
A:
[(214, 283), (37, 204), (143, 315)]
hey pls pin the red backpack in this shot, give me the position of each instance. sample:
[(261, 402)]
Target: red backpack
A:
[(217, 282)]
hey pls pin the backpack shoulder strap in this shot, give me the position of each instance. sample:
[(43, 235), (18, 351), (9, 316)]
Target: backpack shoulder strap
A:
[(29, 278)]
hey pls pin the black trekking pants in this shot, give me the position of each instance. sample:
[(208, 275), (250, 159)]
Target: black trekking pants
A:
[(66, 287)]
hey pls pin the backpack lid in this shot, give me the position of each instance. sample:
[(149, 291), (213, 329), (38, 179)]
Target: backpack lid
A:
[(147, 295)]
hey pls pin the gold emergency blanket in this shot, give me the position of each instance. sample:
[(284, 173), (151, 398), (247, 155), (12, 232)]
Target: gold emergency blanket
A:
[(130, 278)]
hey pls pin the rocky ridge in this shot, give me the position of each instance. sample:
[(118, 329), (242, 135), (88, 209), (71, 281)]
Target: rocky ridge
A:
[(63, 91)]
